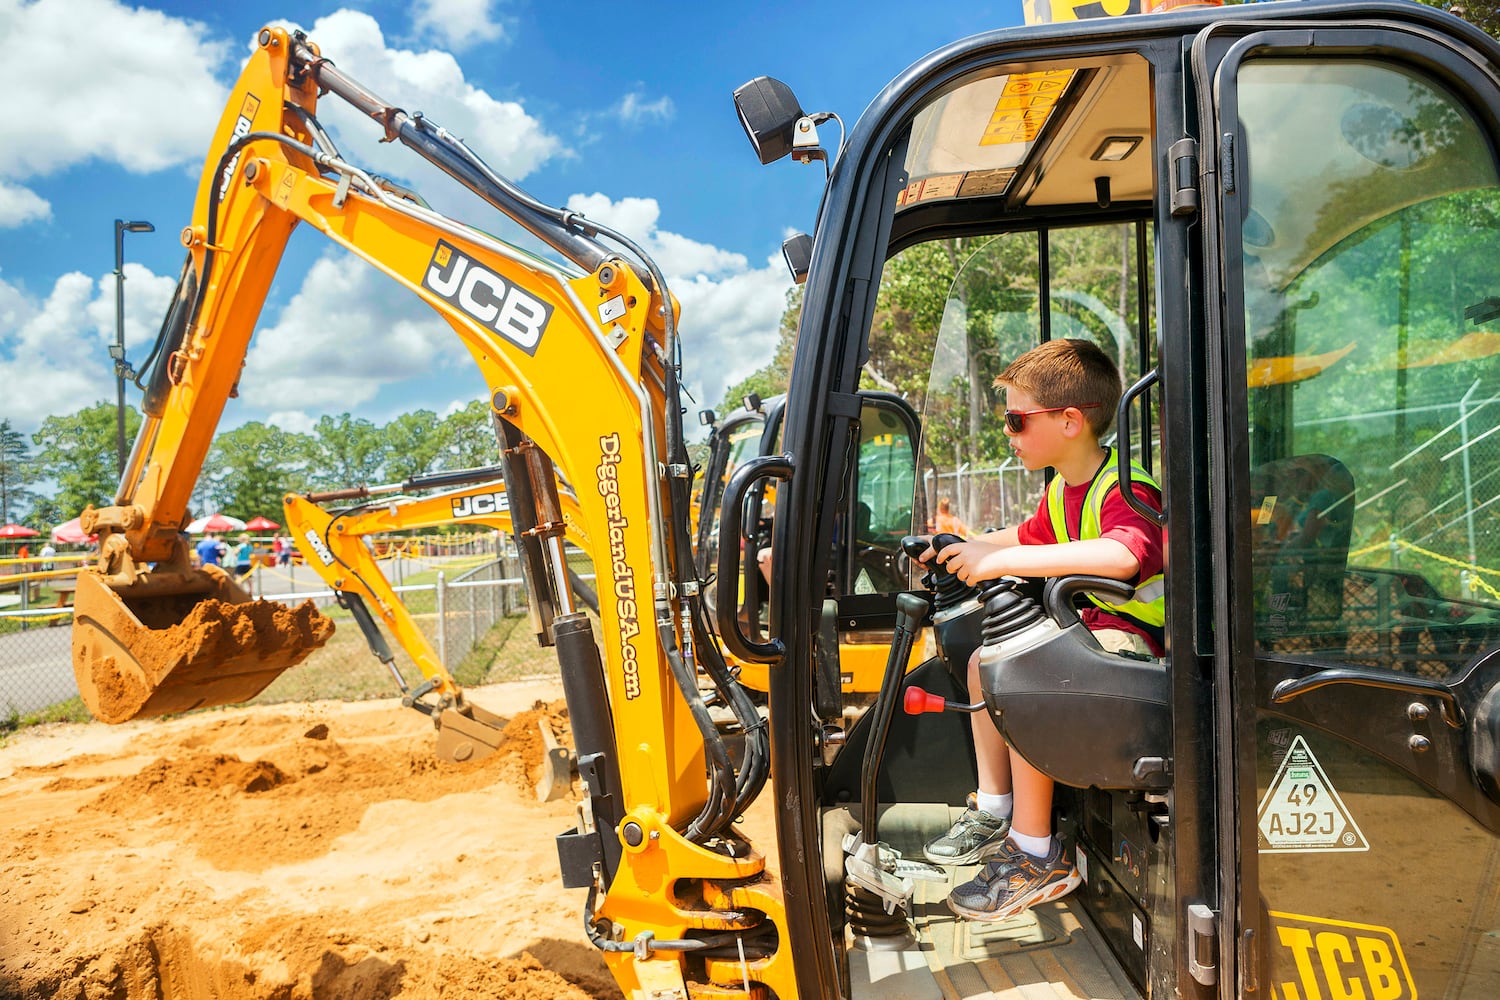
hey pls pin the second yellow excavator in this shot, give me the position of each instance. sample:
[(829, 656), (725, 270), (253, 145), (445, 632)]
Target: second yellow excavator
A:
[(335, 544)]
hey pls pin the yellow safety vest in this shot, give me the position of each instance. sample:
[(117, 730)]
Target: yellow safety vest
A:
[(1149, 605)]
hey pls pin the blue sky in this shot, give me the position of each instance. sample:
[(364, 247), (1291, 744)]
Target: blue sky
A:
[(620, 110)]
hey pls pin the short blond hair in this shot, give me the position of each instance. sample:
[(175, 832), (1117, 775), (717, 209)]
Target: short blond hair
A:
[(1068, 372)]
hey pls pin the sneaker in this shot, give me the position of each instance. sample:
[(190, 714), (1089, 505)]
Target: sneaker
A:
[(976, 835), (1013, 883)]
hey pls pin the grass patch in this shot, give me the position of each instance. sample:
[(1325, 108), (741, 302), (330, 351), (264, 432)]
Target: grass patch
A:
[(71, 710)]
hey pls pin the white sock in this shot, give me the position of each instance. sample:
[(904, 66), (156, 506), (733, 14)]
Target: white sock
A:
[(996, 805), (1037, 847)]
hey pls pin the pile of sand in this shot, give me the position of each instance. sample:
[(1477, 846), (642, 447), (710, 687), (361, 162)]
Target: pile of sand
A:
[(286, 853)]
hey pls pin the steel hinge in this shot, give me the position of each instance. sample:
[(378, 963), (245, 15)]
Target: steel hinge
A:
[(1183, 157), (1203, 944)]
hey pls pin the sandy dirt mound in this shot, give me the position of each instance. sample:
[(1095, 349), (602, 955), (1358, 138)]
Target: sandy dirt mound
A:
[(289, 853)]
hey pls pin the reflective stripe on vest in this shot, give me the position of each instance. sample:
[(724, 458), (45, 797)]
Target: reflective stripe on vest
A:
[(1149, 605)]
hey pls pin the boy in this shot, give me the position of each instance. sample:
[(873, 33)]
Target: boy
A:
[(1060, 398)]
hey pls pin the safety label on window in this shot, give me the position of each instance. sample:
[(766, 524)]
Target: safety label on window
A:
[(1301, 812)]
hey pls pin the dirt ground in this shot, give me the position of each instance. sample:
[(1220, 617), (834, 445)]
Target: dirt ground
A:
[(288, 852)]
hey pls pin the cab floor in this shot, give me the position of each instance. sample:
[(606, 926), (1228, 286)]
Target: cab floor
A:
[(1051, 952)]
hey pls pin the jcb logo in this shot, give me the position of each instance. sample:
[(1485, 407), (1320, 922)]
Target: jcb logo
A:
[(515, 314), (248, 108), (318, 547), (479, 504), (1316, 959)]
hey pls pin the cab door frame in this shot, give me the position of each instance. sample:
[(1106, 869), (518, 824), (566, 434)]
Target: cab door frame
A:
[(1420, 41)]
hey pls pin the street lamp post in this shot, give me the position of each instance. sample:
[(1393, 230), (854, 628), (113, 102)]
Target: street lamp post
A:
[(117, 352)]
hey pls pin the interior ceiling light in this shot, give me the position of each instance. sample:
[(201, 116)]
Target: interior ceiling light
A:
[(1116, 148)]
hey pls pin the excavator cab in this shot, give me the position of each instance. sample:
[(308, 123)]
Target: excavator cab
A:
[(1276, 218)]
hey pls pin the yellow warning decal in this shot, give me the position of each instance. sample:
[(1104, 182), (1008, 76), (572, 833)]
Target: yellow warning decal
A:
[(1024, 106), (1314, 959), (250, 106)]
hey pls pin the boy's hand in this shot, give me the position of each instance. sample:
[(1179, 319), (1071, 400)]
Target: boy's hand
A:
[(974, 562)]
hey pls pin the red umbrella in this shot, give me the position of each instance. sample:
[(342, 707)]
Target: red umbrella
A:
[(69, 533), (258, 523), (217, 523), (17, 531)]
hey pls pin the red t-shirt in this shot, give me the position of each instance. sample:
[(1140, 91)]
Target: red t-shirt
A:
[(1117, 520)]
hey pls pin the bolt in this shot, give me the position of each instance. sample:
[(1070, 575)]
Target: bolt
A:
[(633, 833), (606, 275), (265, 37), (1419, 744), (1417, 711)]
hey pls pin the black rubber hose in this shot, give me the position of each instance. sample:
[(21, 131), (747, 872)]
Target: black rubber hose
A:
[(717, 809)]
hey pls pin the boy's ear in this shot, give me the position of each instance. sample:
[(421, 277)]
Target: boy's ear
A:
[(1074, 422)]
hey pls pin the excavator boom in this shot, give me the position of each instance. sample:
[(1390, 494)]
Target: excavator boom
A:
[(598, 327), (335, 544)]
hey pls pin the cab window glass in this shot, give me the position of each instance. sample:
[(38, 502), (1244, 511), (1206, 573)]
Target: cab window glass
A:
[(1371, 301), (954, 313)]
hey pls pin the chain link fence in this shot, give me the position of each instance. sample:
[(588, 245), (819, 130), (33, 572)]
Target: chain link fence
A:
[(471, 607)]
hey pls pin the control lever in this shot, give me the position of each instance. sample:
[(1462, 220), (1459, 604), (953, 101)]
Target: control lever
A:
[(911, 610), (918, 701), (948, 588)]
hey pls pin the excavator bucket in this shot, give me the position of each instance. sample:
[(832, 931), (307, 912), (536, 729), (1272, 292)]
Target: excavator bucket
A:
[(149, 653)]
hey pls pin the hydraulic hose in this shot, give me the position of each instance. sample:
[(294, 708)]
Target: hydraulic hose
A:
[(718, 809), (756, 768)]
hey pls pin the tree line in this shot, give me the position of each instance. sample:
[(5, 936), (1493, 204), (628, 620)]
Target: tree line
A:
[(70, 462)]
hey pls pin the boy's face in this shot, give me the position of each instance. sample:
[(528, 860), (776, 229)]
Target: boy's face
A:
[(1039, 442)]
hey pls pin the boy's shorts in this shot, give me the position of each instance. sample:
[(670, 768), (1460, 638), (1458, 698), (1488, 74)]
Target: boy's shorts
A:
[(1115, 640)]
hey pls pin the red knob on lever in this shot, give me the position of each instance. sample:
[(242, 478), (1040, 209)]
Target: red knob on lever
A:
[(916, 701)]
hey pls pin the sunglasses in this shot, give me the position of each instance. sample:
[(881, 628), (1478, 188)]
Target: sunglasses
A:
[(1015, 420)]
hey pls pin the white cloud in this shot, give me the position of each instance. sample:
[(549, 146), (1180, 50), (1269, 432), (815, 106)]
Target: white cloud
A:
[(637, 219), (731, 312), (432, 82), (347, 333), (458, 24), (19, 205), (293, 421), (58, 348), (104, 81), (634, 109)]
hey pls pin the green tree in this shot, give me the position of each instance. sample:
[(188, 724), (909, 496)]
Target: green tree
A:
[(17, 474), (1483, 14), (78, 453), (250, 468), (415, 442), (468, 437), (344, 451), (773, 378)]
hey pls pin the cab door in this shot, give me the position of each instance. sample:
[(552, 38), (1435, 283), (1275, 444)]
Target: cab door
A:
[(1352, 218)]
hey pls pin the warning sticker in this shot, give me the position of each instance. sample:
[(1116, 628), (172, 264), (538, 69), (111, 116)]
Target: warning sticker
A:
[(1302, 813)]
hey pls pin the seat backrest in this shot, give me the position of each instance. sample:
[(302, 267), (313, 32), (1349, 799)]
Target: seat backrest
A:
[(1302, 515)]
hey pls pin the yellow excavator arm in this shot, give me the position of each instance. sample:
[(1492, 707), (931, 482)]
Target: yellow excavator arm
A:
[(335, 544), (581, 363)]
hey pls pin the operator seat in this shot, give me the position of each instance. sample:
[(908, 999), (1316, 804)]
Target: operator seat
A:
[(1301, 518)]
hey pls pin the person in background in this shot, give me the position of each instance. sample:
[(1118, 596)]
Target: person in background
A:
[(244, 556), (209, 550), (947, 522), (46, 554)]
